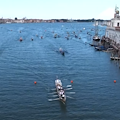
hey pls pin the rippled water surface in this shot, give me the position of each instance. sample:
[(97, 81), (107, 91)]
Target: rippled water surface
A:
[(21, 63)]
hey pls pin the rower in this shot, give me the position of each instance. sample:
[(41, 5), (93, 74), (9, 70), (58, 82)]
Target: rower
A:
[(63, 96), (62, 91), (59, 87), (60, 49)]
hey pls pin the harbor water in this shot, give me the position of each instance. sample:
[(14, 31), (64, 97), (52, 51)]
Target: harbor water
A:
[(96, 96)]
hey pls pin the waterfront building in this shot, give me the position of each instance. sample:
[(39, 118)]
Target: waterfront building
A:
[(113, 28), (1, 20), (19, 21)]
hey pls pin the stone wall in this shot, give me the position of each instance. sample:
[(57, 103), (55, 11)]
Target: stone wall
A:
[(113, 34)]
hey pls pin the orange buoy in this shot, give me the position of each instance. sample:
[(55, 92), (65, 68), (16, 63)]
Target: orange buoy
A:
[(71, 81), (114, 81), (35, 82)]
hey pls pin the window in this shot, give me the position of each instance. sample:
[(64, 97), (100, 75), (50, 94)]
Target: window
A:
[(117, 24), (112, 24)]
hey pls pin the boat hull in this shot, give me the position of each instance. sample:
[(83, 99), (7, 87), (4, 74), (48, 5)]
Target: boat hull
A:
[(60, 91), (96, 38)]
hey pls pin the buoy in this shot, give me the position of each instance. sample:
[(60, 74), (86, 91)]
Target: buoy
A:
[(114, 81), (35, 82), (71, 81)]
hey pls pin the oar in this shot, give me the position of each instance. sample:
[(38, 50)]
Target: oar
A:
[(53, 89), (68, 85), (70, 92), (53, 93), (69, 97), (69, 88), (63, 102), (53, 99)]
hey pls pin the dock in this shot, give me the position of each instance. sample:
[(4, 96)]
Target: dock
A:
[(115, 58)]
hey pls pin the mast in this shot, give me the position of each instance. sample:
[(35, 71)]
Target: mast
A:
[(96, 28)]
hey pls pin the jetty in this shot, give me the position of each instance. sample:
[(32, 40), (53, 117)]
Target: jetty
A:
[(115, 58)]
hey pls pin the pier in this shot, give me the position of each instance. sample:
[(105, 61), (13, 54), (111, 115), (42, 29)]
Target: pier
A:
[(115, 58)]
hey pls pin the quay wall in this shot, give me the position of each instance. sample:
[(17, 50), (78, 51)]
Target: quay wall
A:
[(113, 34)]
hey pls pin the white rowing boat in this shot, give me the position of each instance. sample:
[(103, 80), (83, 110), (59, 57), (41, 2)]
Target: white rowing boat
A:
[(60, 90)]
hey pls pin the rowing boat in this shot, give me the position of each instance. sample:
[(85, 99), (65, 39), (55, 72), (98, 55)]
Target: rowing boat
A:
[(60, 90)]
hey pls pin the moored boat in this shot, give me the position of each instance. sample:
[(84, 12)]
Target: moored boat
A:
[(96, 38), (61, 51)]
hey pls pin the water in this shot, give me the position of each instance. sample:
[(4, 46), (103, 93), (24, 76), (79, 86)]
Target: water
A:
[(21, 63)]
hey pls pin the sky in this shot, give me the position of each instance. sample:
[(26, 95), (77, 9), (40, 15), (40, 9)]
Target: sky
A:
[(58, 9)]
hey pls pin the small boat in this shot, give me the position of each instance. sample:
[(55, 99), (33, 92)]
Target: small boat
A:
[(76, 36), (96, 38), (60, 90), (55, 36), (61, 51), (60, 93), (20, 39)]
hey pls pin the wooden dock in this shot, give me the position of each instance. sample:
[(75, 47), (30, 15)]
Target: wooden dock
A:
[(115, 58)]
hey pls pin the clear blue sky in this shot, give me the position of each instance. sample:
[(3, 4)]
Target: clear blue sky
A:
[(58, 9)]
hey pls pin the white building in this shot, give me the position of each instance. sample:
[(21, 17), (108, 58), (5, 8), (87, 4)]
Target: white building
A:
[(19, 21), (113, 29)]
